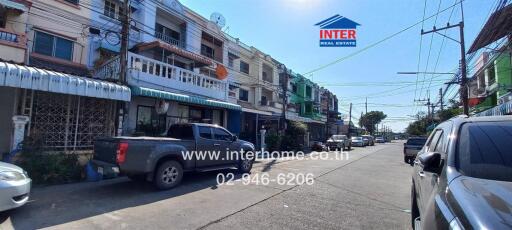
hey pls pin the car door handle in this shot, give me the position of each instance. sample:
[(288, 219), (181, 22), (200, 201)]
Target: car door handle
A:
[(216, 144), (421, 174)]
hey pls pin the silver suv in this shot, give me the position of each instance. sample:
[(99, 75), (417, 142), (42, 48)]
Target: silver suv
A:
[(339, 142)]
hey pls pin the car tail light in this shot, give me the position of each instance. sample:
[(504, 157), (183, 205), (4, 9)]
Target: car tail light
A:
[(122, 148), (404, 150)]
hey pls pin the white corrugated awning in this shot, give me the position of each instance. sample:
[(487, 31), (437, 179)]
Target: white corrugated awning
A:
[(13, 5), (25, 77)]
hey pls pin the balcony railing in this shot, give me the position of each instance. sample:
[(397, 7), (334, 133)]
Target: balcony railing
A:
[(169, 39), (148, 72), (12, 38)]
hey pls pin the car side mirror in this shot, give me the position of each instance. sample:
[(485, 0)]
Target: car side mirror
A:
[(234, 138), (430, 161)]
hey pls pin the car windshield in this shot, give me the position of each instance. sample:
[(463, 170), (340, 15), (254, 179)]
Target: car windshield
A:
[(357, 138), (417, 141), (484, 150), (338, 137)]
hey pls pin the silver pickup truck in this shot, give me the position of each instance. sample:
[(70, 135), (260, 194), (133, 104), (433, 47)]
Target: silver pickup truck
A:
[(164, 160)]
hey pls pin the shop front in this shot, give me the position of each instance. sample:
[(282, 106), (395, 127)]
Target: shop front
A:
[(152, 112), (63, 112)]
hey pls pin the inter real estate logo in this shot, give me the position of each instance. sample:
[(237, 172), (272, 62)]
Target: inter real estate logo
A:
[(337, 31)]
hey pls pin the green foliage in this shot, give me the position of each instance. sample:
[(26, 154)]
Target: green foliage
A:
[(273, 142), (48, 168), (417, 128), (293, 140), (371, 119)]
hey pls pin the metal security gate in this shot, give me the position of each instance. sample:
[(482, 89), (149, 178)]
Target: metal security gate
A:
[(67, 122)]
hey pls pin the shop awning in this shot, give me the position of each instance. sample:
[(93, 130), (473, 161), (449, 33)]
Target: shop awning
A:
[(497, 26), (13, 5), (26, 77), (147, 92)]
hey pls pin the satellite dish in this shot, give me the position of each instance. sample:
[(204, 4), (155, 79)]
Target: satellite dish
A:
[(218, 19)]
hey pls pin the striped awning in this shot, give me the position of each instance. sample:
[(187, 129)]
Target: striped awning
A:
[(499, 110), (26, 77), (13, 5), (147, 92)]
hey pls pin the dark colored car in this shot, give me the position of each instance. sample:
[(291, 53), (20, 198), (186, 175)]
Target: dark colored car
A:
[(163, 160), (462, 178), (318, 146), (412, 147)]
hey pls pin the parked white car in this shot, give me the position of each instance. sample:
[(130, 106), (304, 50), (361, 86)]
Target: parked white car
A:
[(14, 186)]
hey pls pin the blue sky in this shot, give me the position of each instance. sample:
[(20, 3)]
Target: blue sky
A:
[(285, 30)]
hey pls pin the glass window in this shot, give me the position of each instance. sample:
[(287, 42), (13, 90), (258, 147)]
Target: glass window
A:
[(220, 134), (244, 95), (63, 48), (432, 141), (109, 9), (231, 62), (207, 51), (43, 44), (417, 141), (205, 132), (244, 67), (181, 132), (143, 117), (50, 45), (484, 151)]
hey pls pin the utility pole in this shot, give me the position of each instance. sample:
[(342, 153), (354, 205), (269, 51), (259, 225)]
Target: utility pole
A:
[(122, 107), (441, 98), (349, 118), (366, 104), (284, 88), (463, 65), (124, 16)]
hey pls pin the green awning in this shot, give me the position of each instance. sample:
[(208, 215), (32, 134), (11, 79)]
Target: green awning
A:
[(147, 92), (13, 5)]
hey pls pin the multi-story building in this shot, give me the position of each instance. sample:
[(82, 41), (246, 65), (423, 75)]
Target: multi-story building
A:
[(254, 85), (176, 65), (44, 81), (491, 84)]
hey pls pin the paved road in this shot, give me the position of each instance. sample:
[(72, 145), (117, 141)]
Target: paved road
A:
[(370, 189)]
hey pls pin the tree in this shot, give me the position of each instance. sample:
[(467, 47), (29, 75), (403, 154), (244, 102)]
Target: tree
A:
[(452, 111), (371, 119)]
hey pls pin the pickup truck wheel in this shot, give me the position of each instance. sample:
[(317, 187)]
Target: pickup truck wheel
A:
[(245, 165), (168, 175)]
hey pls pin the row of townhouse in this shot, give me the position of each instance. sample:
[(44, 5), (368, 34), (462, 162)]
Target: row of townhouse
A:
[(60, 70), (490, 85)]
